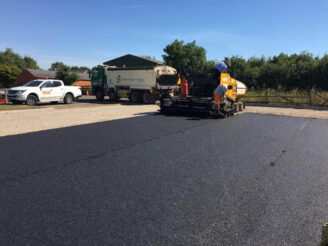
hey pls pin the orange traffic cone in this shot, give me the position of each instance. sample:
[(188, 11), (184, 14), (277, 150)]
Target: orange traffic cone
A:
[(2, 98), (6, 98), (87, 94)]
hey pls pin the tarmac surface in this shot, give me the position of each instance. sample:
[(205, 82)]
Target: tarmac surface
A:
[(158, 180)]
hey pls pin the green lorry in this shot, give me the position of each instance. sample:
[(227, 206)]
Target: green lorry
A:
[(99, 81)]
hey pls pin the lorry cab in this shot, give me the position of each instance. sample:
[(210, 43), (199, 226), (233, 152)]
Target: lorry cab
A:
[(99, 81)]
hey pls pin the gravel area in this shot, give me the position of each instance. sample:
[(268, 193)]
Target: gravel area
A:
[(58, 116), (32, 120), (293, 112)]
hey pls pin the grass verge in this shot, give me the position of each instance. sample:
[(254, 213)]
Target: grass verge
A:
[(4, 107)]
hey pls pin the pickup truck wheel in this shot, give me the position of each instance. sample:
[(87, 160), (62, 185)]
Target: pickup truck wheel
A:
[(99, 96), (31, 100), (68, 99), (146, 98), (135, 97)]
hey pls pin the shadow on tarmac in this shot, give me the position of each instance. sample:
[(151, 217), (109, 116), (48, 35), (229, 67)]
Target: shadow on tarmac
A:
[(188, 116)]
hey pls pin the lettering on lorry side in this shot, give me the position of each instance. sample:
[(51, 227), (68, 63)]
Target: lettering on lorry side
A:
[(118, 79)]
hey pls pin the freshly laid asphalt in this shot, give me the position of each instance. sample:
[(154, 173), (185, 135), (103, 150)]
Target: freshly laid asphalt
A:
[(164, 180)]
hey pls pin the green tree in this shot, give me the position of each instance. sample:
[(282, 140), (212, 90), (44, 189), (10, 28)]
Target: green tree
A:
[(64, 74), (302, 71), (209, 65), (57, 66), (8, 57), (288, 72), (268, 76), (321, 77), (77, 68), (60, 66), (30, 63), (8, 74), (11, 64), (188, 57)]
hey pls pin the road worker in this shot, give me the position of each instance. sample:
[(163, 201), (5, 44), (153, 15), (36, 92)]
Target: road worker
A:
[(221, 67), (219, 93)]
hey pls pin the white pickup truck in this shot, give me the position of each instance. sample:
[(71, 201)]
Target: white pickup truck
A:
[(44, 90)]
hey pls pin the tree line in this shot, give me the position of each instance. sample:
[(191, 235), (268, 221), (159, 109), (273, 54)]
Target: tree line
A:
[(12, 64), (302, 71), (285, 72), (66, 73)]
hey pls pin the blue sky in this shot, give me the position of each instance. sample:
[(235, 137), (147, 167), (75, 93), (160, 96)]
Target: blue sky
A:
[(86, 33)]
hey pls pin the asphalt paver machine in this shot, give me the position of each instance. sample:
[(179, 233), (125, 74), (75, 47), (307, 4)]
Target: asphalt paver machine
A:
[(201, 97)]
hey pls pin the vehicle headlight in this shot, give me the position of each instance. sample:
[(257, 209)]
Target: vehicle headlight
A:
[(21, 91)]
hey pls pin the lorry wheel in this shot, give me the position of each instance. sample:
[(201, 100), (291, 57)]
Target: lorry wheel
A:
[(99, 96), (135, 97), (112, 96), (31, 100), (146, 98), (68, 99)]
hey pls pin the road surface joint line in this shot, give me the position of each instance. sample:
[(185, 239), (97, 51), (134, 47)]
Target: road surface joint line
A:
[(274, 162), (289, 116)]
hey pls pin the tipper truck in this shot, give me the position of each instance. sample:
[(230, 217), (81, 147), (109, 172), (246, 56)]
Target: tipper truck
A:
[(138, 84), (201, 98)]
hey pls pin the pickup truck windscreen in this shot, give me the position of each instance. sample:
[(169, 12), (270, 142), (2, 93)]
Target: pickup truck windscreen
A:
[(33, 83)]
